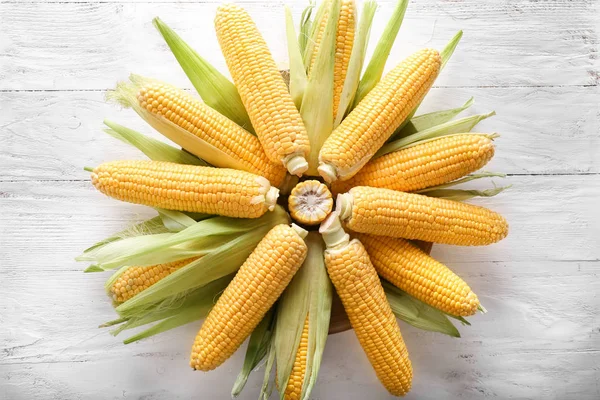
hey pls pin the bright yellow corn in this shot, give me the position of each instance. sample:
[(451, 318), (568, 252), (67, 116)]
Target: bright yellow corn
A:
[(343, 47), (293, 389), (428, 164), (274, 116), (387, 212), (137, 279), (362, 295), (256, 286), (375, 118), (419, 275), (310, 202), (187, 112), (221, 191)]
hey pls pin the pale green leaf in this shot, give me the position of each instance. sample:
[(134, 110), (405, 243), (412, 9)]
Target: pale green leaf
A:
[(466, 179), (215, 89), (154, 149), (298, 79), (267, 386), (375, 68), (305, 27), (151, 226), (175, 221), (464, 194), (311, 40), (447, 52)]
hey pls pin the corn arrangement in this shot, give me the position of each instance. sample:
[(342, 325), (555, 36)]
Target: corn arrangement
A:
[(282, 190)]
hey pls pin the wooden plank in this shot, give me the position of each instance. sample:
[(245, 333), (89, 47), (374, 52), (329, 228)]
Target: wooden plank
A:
[(53, 135), (549, 306), (90, 45)]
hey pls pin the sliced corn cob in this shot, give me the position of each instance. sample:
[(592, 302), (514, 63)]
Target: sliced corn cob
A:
[(428, 164), (375, 118), (343, 47), (412, 270), (362, 295), (387, 212), (190, 114), (310, 202), (293, 389), (137, 279), (274, 116), (221, 191), (256, 286)]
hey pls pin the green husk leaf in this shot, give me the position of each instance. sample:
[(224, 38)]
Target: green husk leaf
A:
[(175, 221), (417, 313), (309, 294), (198, 239), (298, 79), (305, 27), (219, 262), (152, 148), (267, 386), (317, 103), (447, 52), (149, 227), (462, 125), (466, 179), (445, 55), (93, 268), (126, 95), (215, 89), (464, 194), (426, 121), (258, 346), (194, 306), (357, 58), (313, 33), (376, 66)]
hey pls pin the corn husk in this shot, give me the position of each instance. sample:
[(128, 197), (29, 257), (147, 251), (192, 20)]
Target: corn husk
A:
[(317, 103), (313, 32), (357, 58), (305, 27), (417, 313), (375, 68), (309, 294), (215, 89), (459, 126), (258, 346), (465, 194), (298, 79), (466, 179), (426, 121)]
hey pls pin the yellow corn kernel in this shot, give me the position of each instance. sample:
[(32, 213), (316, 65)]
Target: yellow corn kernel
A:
[(343, 47), (134, 280), (274, 116), (256, 286), (388, 212), (371, 316), (293, 390), (372, 122), (310, 202), (221, 191), (419, 275), (424, 165), (187, 112)]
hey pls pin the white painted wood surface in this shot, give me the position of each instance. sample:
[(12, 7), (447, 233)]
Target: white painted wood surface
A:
[(535, 62)]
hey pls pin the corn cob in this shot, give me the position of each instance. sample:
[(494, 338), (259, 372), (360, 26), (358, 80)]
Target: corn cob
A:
[(257, 285), (293, 390), (221, 191), (362, 295), (375, 118), (419, 275), (277, 122), (310, 202), (173, 104), (387, 212), (137, 279), (343, 47), (424, 165)]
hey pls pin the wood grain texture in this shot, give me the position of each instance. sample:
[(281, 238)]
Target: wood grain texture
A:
[(89, 45), (535, 62)]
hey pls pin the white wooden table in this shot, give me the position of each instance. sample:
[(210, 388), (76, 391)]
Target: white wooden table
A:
[(535, 62)]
